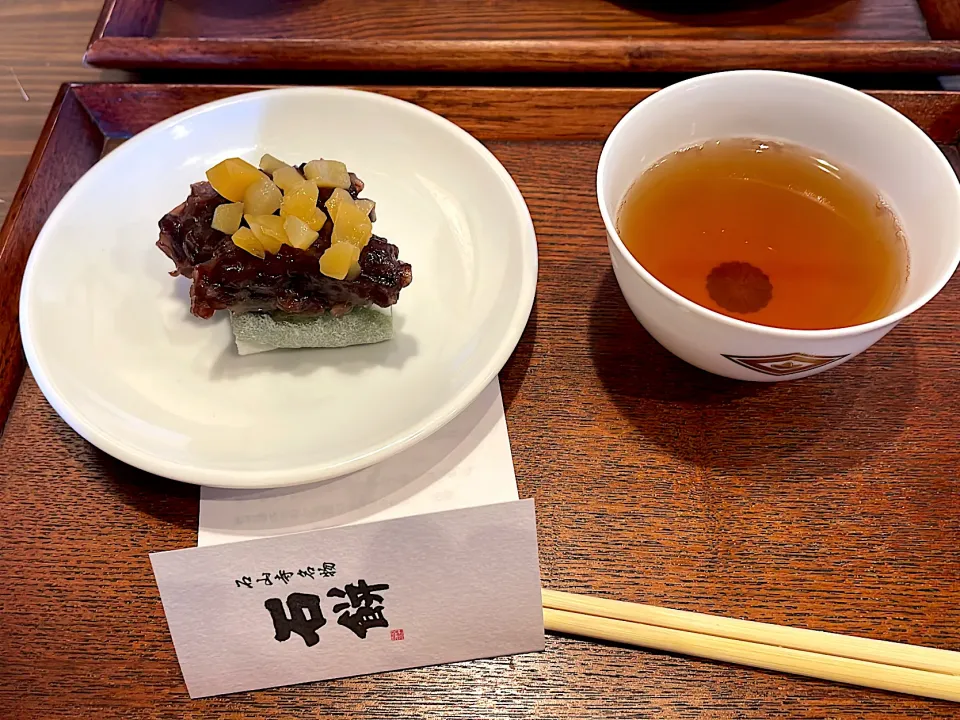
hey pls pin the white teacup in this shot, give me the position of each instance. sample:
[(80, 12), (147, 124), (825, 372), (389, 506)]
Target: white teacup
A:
[(864, 134)]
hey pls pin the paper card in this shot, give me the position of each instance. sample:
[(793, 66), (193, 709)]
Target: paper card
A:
[(464, 464), (423, 590)]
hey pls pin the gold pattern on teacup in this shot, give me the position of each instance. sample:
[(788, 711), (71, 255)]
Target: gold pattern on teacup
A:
[(780, 365)]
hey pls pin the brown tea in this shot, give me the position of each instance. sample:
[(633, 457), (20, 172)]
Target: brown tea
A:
[(766, 232)]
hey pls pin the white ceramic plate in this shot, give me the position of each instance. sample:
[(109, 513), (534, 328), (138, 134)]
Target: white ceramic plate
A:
[(112, 344)]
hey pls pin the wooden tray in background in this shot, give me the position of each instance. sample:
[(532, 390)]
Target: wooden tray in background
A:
[(830, 502), (835, 36)]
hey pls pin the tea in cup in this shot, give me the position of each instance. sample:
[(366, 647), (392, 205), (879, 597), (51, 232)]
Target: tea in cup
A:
[(769, 226)]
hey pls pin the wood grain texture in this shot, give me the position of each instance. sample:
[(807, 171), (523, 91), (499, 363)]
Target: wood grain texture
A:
[(41, 43), (538, 36), (829, 503), (492, 113), (819, 56), (943, 18), (41, 46), (69, 145), (129, 18), (544, 19)]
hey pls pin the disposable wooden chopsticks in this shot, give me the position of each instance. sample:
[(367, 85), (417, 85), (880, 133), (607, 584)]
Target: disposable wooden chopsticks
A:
[(910, 669)]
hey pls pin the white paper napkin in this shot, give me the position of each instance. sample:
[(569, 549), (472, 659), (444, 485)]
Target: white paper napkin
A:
[(466, 463)]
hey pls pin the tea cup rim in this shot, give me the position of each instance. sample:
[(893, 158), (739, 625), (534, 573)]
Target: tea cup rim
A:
[(650, 102)]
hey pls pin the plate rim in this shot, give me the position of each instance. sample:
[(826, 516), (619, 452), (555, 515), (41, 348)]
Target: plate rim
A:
[(310, 473)]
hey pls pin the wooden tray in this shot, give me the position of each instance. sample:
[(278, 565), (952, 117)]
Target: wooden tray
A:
[(837, 36), (830, 502)]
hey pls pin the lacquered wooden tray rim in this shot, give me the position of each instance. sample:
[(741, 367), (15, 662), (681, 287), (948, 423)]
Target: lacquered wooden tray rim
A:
[(123, 38)]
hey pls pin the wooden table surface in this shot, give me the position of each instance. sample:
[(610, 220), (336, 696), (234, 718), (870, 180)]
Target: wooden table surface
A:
[(41, 46), (654, 482)]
